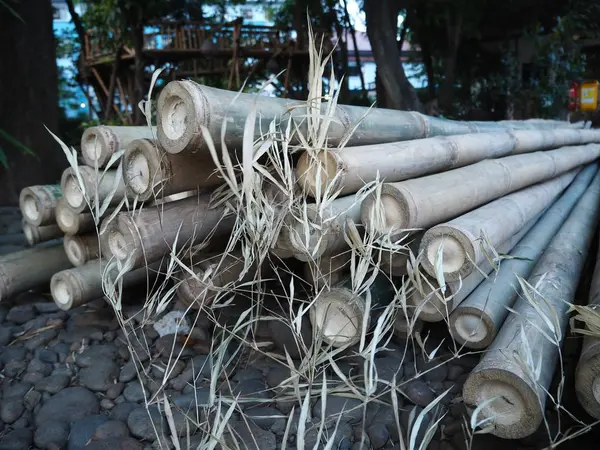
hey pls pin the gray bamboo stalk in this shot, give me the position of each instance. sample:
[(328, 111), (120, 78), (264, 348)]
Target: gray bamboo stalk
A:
[(77, 286), (35, 235), (511, 380), (72, 223), (476, 321), (460, 242), (394, 258), (427, 201), (152, 232), (104, 184), (213, 274), (31, 268), (349, 168), (150, 172), (183, 107), (337, 314), (37, 203), (82, 248), (587, 373), (98, 144), (323, 232), (435, 306)]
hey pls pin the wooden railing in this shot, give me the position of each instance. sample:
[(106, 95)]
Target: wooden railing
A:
[(197, 37)]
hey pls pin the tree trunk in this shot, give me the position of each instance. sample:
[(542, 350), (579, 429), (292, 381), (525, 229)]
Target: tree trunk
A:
[(113, 84), (453, 30), (28, 98), (140, 88), (352, 32), (382, 30)]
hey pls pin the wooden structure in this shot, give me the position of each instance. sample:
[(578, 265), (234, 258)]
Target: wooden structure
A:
[(221, 55)]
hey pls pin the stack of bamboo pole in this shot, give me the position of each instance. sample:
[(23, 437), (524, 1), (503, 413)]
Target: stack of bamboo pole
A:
[(390, 211)]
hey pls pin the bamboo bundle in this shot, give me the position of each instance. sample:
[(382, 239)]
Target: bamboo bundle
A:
[(31, 268), (82, 248), (322, 233), (434, 305), (35, 235), (587, 373), (72, 223), (427, 201), (152, 232), (151, 172), (348, 169), (74, 287), (100, 185), (459, 243), (184, 107), (37, 203), (508, 395), (100, 143), (476, 321)]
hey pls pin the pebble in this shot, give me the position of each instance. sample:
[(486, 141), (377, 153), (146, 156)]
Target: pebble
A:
[(434, 370), (125, 443), (51, 435), (174, 322), (68, 405), (251, 389), (19, 439), (378, 435), (115, 390), (111, 429), (350, 408), (11, 409), (46, 355), (286, 338), (128, 372), (122, 410), (21, 314), (168, 349), (47, 307), (254, 437), (134, 392), (32, 399), (12, 354), (100, 376), (455, 371), (107, 403), (5, 336), (142, 423), (53, 384), (92, 355), (41, 339), (418, 392), (14, 368), (83, 429), (387, 368), (265, 416), (37, 366), (33, 378)]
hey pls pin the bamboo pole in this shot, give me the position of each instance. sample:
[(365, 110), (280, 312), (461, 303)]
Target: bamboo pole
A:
[(427, 201), (320, 232), (35, 235), (405, 325), (435, 306), (349, 168), (81, 248), (587, 373), (27, 269), (476, 321), (395, 254), (103, 184), (72, 223), (463, 242), (100, 143), (509, 395), (337, 315), (213, 274), (152, 232), (184, 107), (80, 285), (327, 271), (150, 172), (37, 203)]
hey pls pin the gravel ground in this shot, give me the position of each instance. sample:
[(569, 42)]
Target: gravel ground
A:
[(74, 380)]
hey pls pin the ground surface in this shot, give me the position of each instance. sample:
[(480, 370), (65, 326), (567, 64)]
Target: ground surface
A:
[(74, 380)]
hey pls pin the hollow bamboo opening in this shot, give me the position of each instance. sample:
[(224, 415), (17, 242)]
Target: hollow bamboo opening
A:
[(138, 172), (311, 168), (337, 317), (72, 191)]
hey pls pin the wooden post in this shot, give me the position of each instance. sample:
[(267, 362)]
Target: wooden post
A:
[(511, 398)]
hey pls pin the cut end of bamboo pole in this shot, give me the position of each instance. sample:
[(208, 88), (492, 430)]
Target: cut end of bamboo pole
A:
[(429, 303), (317, 169), (140, 165), (587, 380), (509, 404), (318, 238), (37, 203), (456, 253), (98, 145), (61, 292), (472, 327), (337, 317), (117, 244), (182, 110), (390, 214), (72, 191)]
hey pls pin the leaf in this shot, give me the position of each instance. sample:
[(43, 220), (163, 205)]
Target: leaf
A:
[(3, 159), (16, 143)]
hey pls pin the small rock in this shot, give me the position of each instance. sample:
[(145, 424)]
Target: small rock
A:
[(115, 390), (151, 333), (125, 443), (350, 408), (418, 392), (21, 313), (287, 339), (168, 349), (434, 370), (173, 322), (277, 375), (37, 366), (14, 368), (122, 410), (251, 389), (41, 339), (46, 355), (109, 336), (388, 368), (90, 356), (11, 409), (5, 336), (33, 378), (100, 376), (68, 405), (134, 392), (378, 435), (142, 423), (53, 384), (13, 354), (107, 403), (128, 372), (19, 439), (97, 336), (46, 307), (24, 421), (254, 437), (83, 429), (455, 371), (249, 373), (16, 390), (51, 435), (111, 429), (32, 399), (265, 416)]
